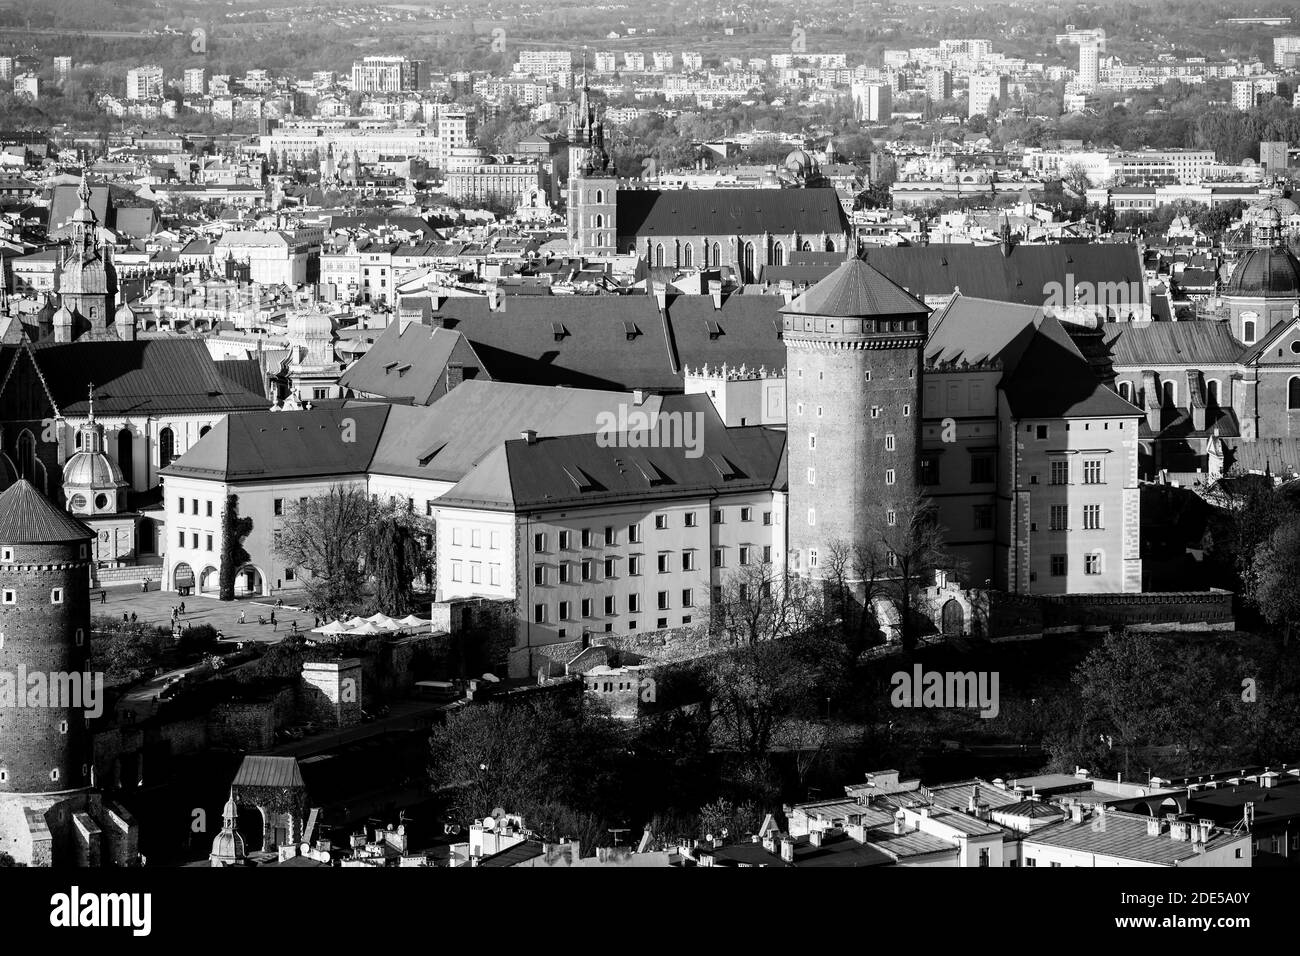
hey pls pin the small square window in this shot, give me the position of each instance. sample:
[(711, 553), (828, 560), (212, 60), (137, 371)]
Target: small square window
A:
[(9, 597), (7, 554), (56, 596), (661, 522)]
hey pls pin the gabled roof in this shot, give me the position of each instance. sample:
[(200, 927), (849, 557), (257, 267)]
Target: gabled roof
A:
[(259, 770), (27, 517), (644, 213), (265, 446), (1025, 275), (147, 376), (974, 330), (1143, 345), (408, 363), (584, 470), (1053, 380), (856, 290), (435, 443)]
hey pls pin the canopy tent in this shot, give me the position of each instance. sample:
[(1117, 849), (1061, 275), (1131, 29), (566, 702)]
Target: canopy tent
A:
[(333, 627)]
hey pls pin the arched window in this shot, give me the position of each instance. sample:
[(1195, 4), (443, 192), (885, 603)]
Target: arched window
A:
[(166, 447), (126, 454), (806, 247), (1169, 393), (778, 254), (1212, 392), (600, 195), (78, 438), (688, 255), (600, 221), (1248, 331), (26, 456), (659, 255), (204, 430), (748, 262), (717, 254), (600, 238), (1293, 393), (1126, 391), (830, 244)]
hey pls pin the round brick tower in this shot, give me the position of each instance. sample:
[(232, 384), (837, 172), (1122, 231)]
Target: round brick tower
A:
[(853, 406), (44, 632)]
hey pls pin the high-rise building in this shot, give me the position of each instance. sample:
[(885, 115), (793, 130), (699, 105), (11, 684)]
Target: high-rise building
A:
[(6, 68), (873, 102), (984, 88), (386, 74), (1247, 94), (853, 379), (144, 82), (195, 81), (938, 85), (27, 85), (63, 64), (1089, 67), (1282, 46), (1273, 156), (692, 61)]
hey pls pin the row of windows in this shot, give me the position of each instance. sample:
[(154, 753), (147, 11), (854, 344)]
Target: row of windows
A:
[(7, 554), (11, 597), (1093, 472), (746, 555), (194, 506), (663, 602), (194, 540), (586, 537), (476, 538), (476, 572), (891, 559)]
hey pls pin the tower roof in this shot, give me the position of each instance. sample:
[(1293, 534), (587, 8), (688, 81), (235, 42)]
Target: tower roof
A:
[(856, 290), (1266, 273), (26, 517)]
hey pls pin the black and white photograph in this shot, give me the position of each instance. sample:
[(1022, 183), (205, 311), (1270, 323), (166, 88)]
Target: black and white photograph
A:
[(551, 434)]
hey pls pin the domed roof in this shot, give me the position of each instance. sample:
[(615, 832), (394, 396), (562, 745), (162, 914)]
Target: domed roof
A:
[(801, 161), (228, 845), (1266, 274), (91, 276), (89, 469)]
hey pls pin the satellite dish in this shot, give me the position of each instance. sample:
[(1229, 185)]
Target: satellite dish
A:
[(489, 823)]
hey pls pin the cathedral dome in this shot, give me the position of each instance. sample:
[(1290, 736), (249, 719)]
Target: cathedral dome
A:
[(92, 276), (801, 163), (1266, 274), (90, 469)]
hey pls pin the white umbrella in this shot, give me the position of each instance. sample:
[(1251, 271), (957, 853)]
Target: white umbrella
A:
[(367, 628), (381, 620), (354, 622), (333, 627)]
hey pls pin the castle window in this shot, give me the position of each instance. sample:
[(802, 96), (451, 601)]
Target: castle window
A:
[(1092, 563), (1293, 393), (1212, 392), (166, 447), (27, 456), (688, 255), (56, 596), (600, 195), (599, 222), (778, 254), (659, 255), (1248, 331), (1126, 391), (63, 726), (54, 775), (6, 554), (9, 597), (812, 517), (812, 442), (1169, 394), (717, 254), (889, 476)]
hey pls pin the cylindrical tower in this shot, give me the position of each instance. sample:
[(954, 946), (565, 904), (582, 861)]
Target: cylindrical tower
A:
[(853, 390), (44, 645)]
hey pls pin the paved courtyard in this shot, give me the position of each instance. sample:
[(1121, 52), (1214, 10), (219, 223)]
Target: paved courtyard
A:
[(155, 607)]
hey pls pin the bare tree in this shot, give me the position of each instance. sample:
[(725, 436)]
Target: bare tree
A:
[(909, 540), (758, 603)]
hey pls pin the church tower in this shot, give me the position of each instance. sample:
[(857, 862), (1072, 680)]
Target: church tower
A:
[(593, 186), (86, 279), (854, 346)]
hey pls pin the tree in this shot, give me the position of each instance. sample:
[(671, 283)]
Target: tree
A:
[(757, 603), (234, 530), (327, 537), (1124, 687), (909, 542), (1274, 573), (1075, 178), (396, 558), (6, 860)]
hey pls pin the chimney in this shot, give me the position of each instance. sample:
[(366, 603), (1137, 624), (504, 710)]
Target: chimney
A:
[(1178, 830), (529, 435), (1076, 813), (1154, 827), (455, 374), (900, 822), (815, 837), (787, 849), (638, 396), (974, 803), (1204, 829), (715, 292)]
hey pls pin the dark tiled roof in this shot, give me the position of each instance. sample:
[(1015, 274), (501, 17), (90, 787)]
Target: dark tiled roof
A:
[(855, 289), (644, 213), (1143, 345), (1023, 276), (1124, 836), (977, 330), (574, 470), (409, 364), (246, 373), (1053, 380), (266, 771), (1268, 273), (26, 517), (153, 376), (264, 446)]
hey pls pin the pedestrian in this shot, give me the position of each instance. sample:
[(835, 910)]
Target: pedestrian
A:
[(241, 617), (126, 618), (274, 626), (133, 617), (103, 596), (273, 617), (182, 607), (293, 626), (317, 624)]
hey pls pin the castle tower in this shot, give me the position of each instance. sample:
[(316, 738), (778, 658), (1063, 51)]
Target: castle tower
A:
[(92, 481), (228, 845), (593, 186), (853, 402), (44, 634)]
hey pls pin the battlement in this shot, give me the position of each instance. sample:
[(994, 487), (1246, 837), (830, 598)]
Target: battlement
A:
[(733, 373)]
